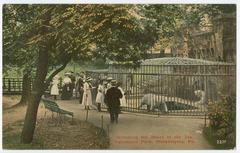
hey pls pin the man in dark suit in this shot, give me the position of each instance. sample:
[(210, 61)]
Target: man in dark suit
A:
[(79, 86), (112, 98)]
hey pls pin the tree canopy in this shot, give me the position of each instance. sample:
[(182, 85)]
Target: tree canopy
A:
[(116, 32)]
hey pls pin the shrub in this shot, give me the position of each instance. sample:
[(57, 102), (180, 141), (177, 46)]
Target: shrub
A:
[(222, 116)]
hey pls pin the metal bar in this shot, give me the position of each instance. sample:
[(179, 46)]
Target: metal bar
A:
[(9, 85), (177, 74)]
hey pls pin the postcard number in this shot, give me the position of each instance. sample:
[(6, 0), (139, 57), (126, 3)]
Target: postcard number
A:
[(221, 141)]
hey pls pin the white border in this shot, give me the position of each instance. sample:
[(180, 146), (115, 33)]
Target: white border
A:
[(127, 2)]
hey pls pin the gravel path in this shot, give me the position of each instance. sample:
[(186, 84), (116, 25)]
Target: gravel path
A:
[(138, 131)]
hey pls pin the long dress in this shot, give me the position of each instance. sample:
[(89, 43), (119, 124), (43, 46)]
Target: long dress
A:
[(66, 93), (100, 94), (123, 102), (54, 88), (87, 95), (79, 88)]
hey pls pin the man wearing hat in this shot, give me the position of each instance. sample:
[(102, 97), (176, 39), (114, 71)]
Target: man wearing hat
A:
[(112, 98), (79, 86), (109, 85), (73, 80)]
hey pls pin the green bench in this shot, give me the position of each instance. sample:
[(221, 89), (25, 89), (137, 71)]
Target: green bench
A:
[(53, 107)]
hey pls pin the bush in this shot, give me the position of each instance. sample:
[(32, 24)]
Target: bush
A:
[(222, 116)]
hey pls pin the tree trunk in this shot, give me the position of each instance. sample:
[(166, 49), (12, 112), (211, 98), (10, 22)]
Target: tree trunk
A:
[(39, 82), (26, 89), (39, 87), (37, 92)]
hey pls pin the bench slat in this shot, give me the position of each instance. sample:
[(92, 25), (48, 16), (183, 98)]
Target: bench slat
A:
[(53, 106)]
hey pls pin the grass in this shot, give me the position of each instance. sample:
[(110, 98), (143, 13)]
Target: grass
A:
[(212, 138), (12, 141), (72, 66), (70, 135)]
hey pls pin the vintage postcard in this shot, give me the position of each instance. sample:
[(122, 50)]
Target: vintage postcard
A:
[(119, 76)]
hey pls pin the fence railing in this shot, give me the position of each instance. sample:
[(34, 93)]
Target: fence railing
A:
[(172, 91), (12, 85)]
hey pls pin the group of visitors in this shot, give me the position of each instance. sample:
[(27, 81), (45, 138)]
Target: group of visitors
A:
[(103, 86), (109, 92), (71, 84)]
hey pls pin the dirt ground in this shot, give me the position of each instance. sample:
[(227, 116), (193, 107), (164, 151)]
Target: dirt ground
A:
[(142, 131), (134, 131), (48, 134)]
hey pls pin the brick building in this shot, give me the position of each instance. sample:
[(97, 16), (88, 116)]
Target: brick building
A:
[(215, 43)]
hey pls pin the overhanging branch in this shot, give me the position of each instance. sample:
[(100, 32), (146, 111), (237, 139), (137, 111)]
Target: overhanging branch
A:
[(49, 79)]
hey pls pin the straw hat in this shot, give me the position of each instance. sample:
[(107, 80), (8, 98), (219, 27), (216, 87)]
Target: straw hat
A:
[(109, 78), (67, 74), (114, 82), (88, 79)]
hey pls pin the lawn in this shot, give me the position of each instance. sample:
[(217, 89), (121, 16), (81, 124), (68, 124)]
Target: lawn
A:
[(48, 134)]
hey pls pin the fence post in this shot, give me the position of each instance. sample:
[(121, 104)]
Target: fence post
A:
[(206, 96), (87, 115), (108, 130), (205, 120), (102, 121), (4, 83), (9, 85)]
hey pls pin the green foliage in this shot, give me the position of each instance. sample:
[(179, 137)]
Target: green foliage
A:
[(125, 33), (213, 139), (79, 32), (15, 28), (10, 71), (191, 17), (78, 67), (166, 17), (222, 118), (85, 32)]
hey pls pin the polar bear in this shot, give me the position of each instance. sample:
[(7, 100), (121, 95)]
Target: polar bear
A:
[(200, 94), (153, 101)]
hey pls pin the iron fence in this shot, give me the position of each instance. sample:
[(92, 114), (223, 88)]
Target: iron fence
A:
[(172, 89), (12, 85), (162, 89)]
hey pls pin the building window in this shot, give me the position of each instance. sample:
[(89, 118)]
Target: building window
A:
[(212, 52), (193, 54), (203, 54), (208, 54), (199, 54)]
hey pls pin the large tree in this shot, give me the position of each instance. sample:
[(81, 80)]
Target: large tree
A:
[(55, 34)]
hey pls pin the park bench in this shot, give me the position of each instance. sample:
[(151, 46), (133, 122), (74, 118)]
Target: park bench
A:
[(53, 107)]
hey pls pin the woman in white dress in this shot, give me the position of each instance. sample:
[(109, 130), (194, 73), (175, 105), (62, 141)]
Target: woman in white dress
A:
[(87, 93), (123, 102), (100, 95), (54, 89)]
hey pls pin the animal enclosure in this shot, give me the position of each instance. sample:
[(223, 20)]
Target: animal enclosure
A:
[(173, 86)]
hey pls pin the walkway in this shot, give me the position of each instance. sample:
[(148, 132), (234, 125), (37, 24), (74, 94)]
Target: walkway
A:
[(138, 131)]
